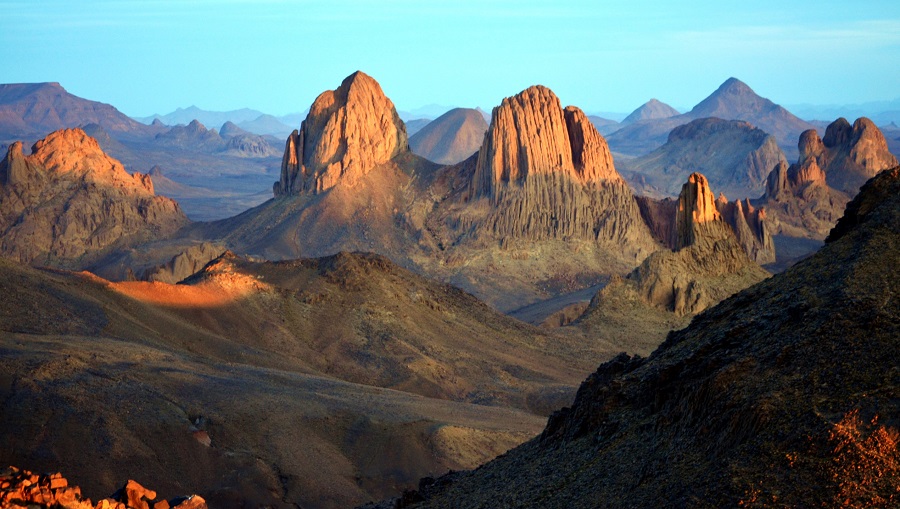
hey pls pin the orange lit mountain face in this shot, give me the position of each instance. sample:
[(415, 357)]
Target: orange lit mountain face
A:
[(68, 202), (781, 395)]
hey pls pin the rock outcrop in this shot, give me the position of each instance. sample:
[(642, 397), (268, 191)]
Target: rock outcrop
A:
[(853, 154), (348, 132), (806, 198), (450, 138), (677, 223), (650, 110), (709, 260), (68, 201), (548, 174), (22, 488)]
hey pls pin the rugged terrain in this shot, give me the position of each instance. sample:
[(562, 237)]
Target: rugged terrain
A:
[(218, 177), (323, 383), (781, 395), (733, 100), (807, 198), (510, 229)]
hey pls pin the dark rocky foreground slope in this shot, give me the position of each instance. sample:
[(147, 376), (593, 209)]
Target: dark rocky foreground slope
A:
[(785, 394)]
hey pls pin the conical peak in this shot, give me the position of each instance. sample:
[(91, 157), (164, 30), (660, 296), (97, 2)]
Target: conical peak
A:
[(735, 86)]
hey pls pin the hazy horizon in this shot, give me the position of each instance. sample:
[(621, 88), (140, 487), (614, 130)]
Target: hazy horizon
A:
[(276, 56)]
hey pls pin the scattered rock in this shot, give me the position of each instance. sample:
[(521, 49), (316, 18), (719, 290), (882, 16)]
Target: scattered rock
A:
[(21, 488)]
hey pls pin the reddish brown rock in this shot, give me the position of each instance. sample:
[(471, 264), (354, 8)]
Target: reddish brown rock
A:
[(807, 198), (678, 223), (348, 132), (68, 201), (546, 173)]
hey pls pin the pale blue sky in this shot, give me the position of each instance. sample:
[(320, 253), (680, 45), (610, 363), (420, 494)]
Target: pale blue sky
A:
[(148, 57)]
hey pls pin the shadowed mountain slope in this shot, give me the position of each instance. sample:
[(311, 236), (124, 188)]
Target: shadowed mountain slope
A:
[(735, 156), (781, 395)]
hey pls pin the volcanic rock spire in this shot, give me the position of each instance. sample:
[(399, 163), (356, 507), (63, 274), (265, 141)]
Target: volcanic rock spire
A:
[(348, 132)]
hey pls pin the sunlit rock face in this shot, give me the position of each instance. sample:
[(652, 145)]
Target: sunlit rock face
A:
[(347, 133), (548, 174), (68, 201)]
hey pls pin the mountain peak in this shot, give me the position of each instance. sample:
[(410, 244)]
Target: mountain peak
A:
[(347, 132), (652, 109)]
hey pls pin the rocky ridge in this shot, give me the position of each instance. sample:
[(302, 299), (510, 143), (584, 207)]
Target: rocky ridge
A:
[(707, 263), (348, 132), (68, 201), (675, 223), (782, 395)]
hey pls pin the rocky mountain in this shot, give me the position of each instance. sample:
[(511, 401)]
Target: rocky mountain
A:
[(733, 100), (254, 121), (415, 125), (547, 173), (650, 110), (853, 154), (267, 124), (320, 383), (30, 111), (349, 183), (781, 395), (734, 155), (604, 126), (348, 132), (807, 198), (708, 262), (194, 137), (450, 138), (68, 202)]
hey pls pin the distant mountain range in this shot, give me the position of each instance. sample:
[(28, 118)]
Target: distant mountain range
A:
[(250, 120), (733, 100)]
